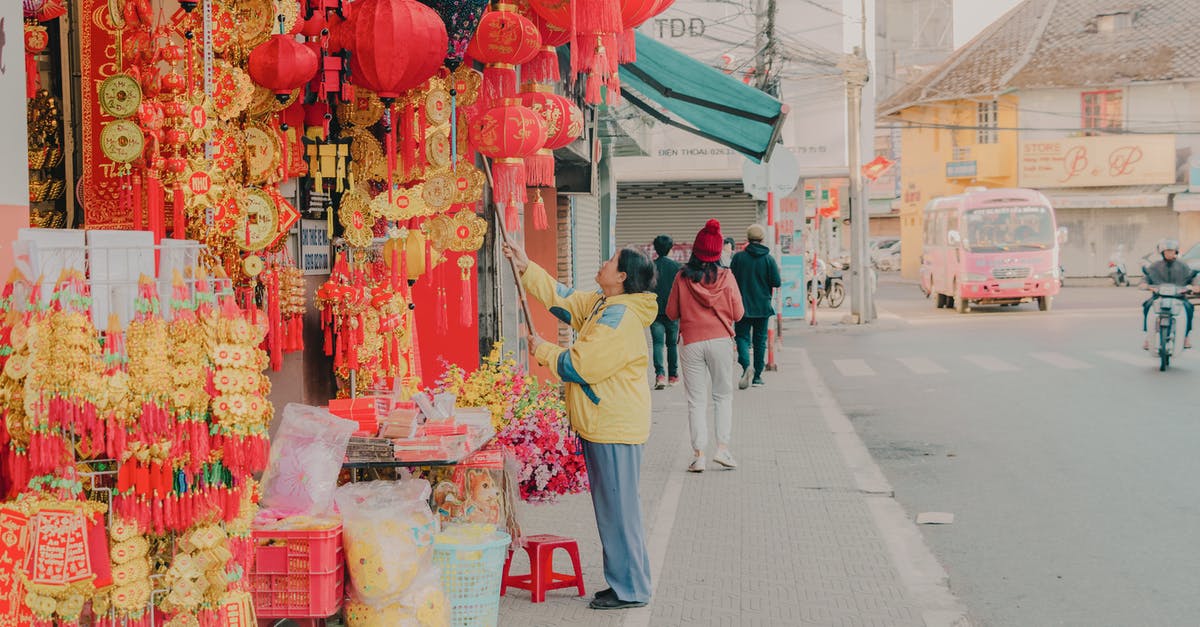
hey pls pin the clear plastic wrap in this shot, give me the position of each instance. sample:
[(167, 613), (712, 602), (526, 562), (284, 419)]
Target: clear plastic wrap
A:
[(306, 457), (388, 532)]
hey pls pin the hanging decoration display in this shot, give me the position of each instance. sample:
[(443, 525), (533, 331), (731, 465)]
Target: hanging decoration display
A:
[(509, 133), (504, 40)]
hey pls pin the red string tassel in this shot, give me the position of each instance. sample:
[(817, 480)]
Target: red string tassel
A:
[(137, 202), (499, 81), (543, 68)]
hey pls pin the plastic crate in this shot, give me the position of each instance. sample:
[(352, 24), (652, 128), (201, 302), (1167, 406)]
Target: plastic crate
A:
[(471, 579), (290, 552), (298, 574), (299, 595)]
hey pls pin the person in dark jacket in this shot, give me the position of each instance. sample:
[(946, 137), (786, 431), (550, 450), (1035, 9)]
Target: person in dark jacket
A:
[(757, 275), (1169, 270), (664, 330)]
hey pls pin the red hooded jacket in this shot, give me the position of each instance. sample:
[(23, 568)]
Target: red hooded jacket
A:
[(705, 311)]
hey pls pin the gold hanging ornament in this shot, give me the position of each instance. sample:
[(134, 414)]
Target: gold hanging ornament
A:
[(263, 153), (366, 155), (438, 192), (258, 222), (355, 217), (366, 109), (405, 204)]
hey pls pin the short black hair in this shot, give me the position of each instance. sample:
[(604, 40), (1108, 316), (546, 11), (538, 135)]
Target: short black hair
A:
[(730, 241), (663, 245), (640, 273)]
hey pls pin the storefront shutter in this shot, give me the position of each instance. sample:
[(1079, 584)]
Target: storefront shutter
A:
[(679, 209), (1093, 236), (585, 227)]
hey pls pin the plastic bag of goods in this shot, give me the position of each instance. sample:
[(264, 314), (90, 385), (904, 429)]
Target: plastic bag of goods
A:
[(423, 605), (387, 533), (306, 457)]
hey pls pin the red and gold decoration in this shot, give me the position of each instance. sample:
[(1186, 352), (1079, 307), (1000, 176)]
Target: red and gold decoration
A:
[(504, 40), (509, 133)]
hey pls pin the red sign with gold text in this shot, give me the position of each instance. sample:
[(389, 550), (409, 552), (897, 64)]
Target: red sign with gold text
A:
[(14, 539), (98, 61), (59, 549)]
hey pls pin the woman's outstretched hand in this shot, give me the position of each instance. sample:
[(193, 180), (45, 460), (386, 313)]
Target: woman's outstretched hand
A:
[(534, 340), (518, 256)]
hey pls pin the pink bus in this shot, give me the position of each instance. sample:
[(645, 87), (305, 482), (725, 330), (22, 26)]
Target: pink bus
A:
[(991, 247)]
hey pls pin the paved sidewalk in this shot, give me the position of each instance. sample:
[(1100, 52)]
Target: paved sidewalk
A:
[(804, 532)]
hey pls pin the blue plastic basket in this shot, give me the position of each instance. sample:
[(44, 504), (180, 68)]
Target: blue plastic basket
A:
[(471, 579)]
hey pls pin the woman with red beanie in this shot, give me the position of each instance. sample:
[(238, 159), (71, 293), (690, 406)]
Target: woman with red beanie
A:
[(706, 301)]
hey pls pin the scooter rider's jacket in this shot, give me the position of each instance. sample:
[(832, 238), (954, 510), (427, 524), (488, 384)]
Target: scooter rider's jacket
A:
[(1166, 272)]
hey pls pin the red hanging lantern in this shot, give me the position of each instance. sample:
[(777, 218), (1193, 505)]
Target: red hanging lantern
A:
[(634, 13), (543, 68), (508, 133), (503, 40), (564, 123), (282, 65), (555, 12), (394, 45)]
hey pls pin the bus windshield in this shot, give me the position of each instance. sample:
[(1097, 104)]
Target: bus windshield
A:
[(1000, 229)]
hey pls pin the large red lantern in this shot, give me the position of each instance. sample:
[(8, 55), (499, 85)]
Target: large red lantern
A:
[(394, 45), (282, 65), (543, 68), (508, 133), (634, 13), (564, 123), (504, 40)]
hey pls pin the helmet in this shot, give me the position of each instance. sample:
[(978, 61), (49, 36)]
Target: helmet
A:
[(1168, 244)]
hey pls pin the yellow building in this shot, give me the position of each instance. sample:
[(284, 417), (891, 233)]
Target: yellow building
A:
[(944, 152)]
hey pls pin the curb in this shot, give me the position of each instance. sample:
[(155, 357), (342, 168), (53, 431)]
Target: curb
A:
[(920, 571)]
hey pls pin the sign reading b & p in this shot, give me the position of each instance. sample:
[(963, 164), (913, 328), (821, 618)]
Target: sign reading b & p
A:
[(1102, 161)]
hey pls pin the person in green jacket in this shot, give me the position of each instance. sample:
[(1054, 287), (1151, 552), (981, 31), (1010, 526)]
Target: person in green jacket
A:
[(664, 330), (757, 276), (608, 401)]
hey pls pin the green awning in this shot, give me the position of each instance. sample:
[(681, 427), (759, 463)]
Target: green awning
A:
[(701, 99)]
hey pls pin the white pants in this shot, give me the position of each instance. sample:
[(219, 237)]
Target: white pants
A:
[(708, 366)]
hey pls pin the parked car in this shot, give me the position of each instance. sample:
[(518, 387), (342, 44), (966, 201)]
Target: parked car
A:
[(886, 257)]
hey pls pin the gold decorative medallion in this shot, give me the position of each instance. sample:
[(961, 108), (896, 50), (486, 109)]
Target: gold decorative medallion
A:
[(120, 95), (263, 153), (122, 141), (258, 222)]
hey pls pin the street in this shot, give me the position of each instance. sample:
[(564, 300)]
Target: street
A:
[(1068, 460)]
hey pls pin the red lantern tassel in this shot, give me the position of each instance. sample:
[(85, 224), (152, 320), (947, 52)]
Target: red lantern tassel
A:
[(32, 77), (543, 68), (390, 143), (509, 180), (539, 212), (466, 310), (179, 213), (539, 168), (411, 141), (598, 16), (137, 202), (626, 46), (598, 73), (275, 319), (499, 81), (443, 321)]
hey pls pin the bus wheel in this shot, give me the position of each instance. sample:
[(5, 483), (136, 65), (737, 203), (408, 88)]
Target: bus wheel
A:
[(961, 305), (1045, 303)]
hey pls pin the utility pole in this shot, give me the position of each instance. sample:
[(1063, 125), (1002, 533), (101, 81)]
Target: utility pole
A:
[(856, 70), (765, 47)]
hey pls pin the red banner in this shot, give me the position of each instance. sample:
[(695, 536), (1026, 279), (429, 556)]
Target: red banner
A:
[(59, 554), (98, 60), (14, 539)]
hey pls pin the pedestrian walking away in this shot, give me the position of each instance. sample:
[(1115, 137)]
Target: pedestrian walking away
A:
[(706, 302), (757, 277), (608, 402), (727, 245), (665, 331)]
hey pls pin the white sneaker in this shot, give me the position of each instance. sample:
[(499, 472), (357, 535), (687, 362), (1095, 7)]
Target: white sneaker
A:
[(725, 458), (745, 380), (697, 464)]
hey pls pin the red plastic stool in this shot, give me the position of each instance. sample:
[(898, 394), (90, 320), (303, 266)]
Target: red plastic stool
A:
[(541, 575)]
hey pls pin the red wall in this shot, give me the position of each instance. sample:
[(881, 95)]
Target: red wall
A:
[(543, 247), (456, 343)]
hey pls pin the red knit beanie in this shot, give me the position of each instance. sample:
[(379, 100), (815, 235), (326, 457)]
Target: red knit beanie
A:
[(707, 246)]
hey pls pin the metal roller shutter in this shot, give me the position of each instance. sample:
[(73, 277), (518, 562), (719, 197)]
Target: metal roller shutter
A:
[(1093, 236), (585, 239), (680, 209)]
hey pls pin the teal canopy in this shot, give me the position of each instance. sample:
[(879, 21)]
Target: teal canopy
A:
[(702, 100)]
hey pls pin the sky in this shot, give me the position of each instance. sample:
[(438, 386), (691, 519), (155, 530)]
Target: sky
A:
[(972, 16)]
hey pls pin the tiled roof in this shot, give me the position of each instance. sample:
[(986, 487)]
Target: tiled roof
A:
[(1056, 43)]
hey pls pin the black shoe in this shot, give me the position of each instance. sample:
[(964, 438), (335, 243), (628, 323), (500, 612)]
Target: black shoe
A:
[(613, 603), (605, 593)]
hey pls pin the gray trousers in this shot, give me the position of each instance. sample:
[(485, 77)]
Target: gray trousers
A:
[(614, 471)]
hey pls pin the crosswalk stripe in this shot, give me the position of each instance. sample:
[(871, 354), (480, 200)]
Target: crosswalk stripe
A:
[(1127, 358), (921, 365), (853, 367), (987, 362), (1059, 360)]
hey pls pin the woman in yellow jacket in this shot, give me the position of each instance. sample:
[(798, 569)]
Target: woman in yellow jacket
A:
[(608, 402)]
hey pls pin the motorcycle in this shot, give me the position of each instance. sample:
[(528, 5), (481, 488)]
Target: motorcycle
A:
[(1116, 269), (1170, 316), (828, 286)]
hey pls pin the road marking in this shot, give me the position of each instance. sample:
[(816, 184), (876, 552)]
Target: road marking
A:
[(1127, 358), (987, 362), (853, 368), (1059, 360), (921, 365)]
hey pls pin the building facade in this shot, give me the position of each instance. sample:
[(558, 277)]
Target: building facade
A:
[(1091, 104)]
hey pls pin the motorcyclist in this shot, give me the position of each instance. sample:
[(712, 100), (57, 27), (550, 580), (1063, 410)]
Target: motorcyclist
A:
[(1168, 270)]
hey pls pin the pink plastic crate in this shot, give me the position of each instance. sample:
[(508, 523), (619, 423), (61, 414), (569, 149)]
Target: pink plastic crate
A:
[(298, 574), (291, 552), (302, 595)]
